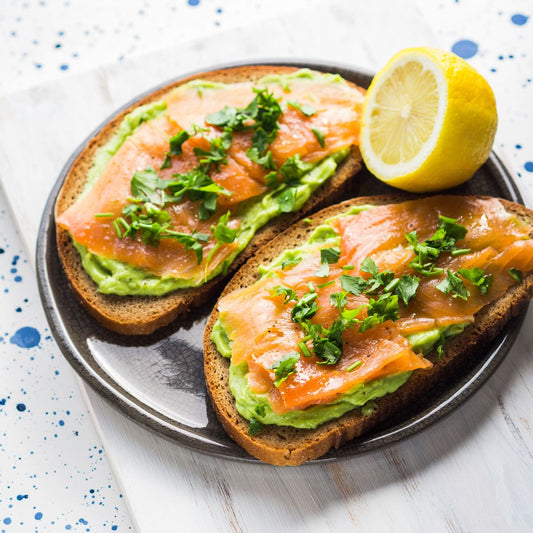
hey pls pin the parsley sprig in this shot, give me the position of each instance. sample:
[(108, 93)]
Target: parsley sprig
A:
[(443, 240), (146, 215)]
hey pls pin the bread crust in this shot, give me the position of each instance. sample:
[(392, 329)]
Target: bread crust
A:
[(142, 315), (286, 446)]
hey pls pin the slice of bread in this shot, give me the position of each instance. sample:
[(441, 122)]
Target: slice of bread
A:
[(285, 446), (141, 315)]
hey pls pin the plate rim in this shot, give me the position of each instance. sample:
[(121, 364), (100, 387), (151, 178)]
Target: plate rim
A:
[(158, 422)]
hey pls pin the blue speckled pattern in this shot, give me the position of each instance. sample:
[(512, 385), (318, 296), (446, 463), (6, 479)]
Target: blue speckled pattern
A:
[(54, 474)]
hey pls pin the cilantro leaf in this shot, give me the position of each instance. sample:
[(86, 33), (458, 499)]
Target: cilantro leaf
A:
[(406, 288), (305, 308), (146, 185), (338, 300), (223, 233), (287, 293), (224, 117), (272, 179), (290, 261), (516, 274), (255, 426), (353, 284), (478, 277), (293, 169), (285, 367), (368, 265), (453, 284), (322, 271), (384, 308), (306, 109), (176, 144), (286, 200), (266, 161), (319, 137), (451, 228), (329, 255)]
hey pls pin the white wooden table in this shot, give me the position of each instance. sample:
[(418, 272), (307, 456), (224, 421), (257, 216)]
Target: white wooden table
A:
[(472, 471)]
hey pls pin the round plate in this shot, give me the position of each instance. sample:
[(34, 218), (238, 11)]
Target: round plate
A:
[(158, 380)]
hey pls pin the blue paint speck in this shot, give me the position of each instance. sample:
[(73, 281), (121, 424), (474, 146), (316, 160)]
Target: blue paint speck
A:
[(61, 422), (193, 2), (529, 166), (18, 279), (21, 497), (13, 270), (26, 337), (21, 407), (114, 528), (3, 401), (7, 521), (15, 259), (68, 526), (518, 146), (38, 516), (519, 19), (63, 67), (83, 521), (465, 48)]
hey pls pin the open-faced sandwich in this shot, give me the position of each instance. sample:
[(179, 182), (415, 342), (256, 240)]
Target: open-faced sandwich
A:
[(178, 190), (353, 315)]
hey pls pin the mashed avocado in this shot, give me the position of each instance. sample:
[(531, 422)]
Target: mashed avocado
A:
[(115, 277), (252, 405)]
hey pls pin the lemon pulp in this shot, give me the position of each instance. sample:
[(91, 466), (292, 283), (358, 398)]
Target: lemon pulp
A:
[(428, 121)]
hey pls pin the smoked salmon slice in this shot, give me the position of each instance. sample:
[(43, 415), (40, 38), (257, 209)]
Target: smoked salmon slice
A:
[(260, 326), (336, 110)]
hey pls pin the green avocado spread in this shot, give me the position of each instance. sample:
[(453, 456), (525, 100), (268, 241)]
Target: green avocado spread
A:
[(115, 277), (257, 406)]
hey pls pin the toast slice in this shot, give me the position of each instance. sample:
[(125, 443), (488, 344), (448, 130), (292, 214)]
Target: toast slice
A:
[(283, 445), (141, 315)]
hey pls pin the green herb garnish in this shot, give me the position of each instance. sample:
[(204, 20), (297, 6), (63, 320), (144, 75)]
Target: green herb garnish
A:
[(453, 284), (176, 147), (319, 137), (306, 109), (255, 426), (285, 367), (353, 366), (478, 277), (516, 274)]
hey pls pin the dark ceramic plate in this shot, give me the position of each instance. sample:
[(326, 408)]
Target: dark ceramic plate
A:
[(158, 380)]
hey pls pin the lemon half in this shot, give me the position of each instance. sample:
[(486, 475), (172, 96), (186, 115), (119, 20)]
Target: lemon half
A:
[(428, 121)]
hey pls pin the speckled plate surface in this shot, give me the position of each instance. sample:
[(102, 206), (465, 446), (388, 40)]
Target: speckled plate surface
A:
[(158, 380)]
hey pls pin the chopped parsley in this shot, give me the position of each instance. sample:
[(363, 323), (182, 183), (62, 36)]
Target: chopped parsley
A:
[(516, 274), (306, 109), (453, 284), (255, 426), (478, 277), (176, 144), (328, 256), (290, 261), (319, 137), (285, 367), (353, 366), (222, 232), (443, 240)]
